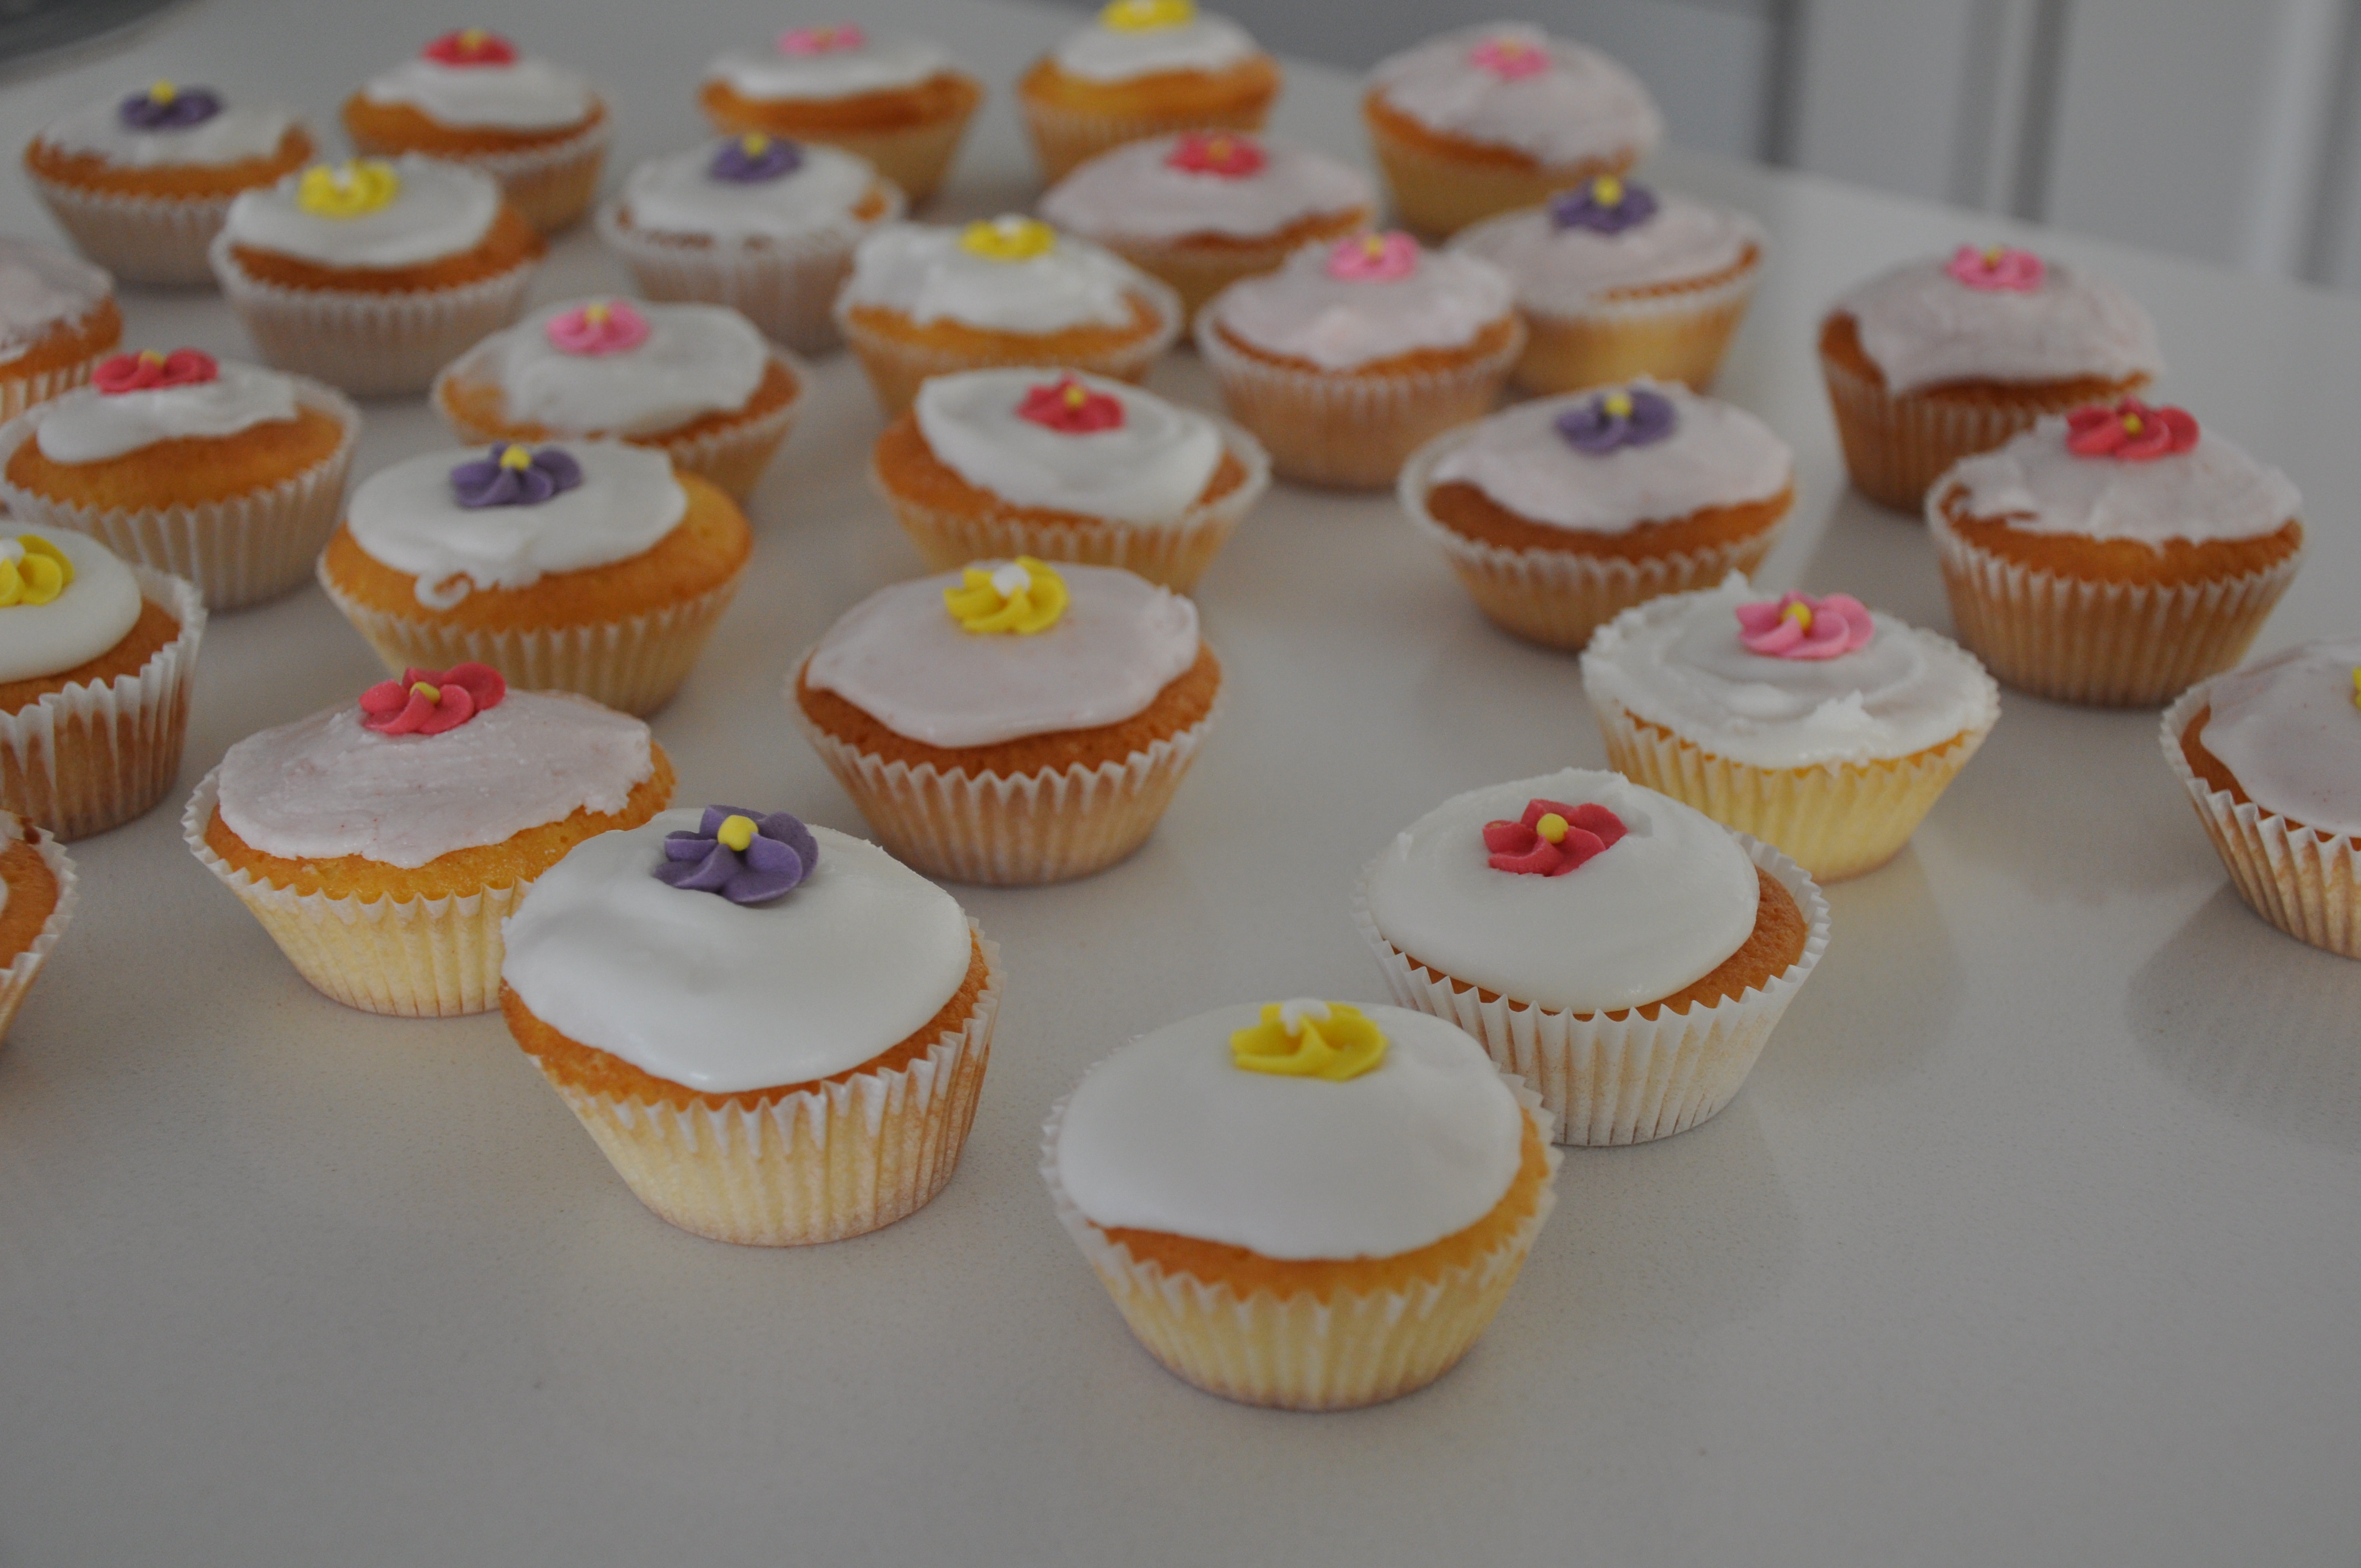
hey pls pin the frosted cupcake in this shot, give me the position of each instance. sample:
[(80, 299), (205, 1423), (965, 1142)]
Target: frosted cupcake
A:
[(1351, 355), (36, 899), (696, 382), (1489, 119), (898, 101), (1307, 1204), (1144, 68), (97, 658), (144, 182), (471, 98), (2270, 756), (926, 301), (1013, 722), (1558, 515), (2115, 556), (1067, 468), (57, 320), (1942, 358), (590, 567), (370, 276), (774, 1032), (1623, 953), (755, 221)]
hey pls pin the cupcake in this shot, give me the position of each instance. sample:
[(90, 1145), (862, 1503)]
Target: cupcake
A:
[(1347, 358), (1625, 954), (755, 221), (1939, 359), (227, 475), (923, 302), (470, 98), (589, 567), (2270, 755), (1202, 209), (1560, 514), (1821, 727), (381, 842), (1066, 468), (775, 1033), (370, 275), (1305, 1204), (1014, 722), (2115, 556), (1615, 281), (56, 321), (1142, 69), (1489, 119), (96, 661), (144, 183), (898, 101), (696, 382), (36, 899)]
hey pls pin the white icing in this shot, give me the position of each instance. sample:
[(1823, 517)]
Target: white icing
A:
[(2214, 491), (2287, 728), (328, 785), (1168, 1136), (1206, 42), (94, 613), (1921, 327), (1149, 470), (90, 426), (1566, 270), (696, 359), (878, 65), (676, 195), (40, 288), (441, 209), (409, 518), (1678, 662), (1717, 456), (924, 273), (1301, 312), (899, 657), (232, 135), (530, 95), (1584, 109), (1133, 192), (723, 997), (1658, 910)]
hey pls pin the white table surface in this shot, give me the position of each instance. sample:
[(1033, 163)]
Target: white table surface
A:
[(2034, 1237)]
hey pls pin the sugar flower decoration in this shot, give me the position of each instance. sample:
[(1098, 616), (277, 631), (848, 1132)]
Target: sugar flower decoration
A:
[(1023, 596), (1070, 408), (428, 702), (32, 571), (744, 856), (1797, 626), (2356, 685), (515, 474), (1631, 416), (837, 39), (148, 371), (470, 46), (1010, 238), (598, 327), (1510, 58), (1604, 205), (2130, 432), (1146, 15), (1373, 258), (752, 159), (353, 188), (164, 107), (1997, 269), (1550, 839), (1227, 155), (1309, 1038)]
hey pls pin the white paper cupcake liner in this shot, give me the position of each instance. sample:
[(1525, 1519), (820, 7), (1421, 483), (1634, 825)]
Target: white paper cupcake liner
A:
[(1625, 1079), (18, 978), (1064, 139), (551, 183), (18, 394), (160, 241), (1304, 1351), (1679, 335), (238, 552), (2305, 881), (895, 366)]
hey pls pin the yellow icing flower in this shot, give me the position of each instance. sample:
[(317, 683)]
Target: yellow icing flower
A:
[(1308, 1038), (1146, 15), (1010, 238), (32, 570), (353, 188), (2356, 685), (1024, 597)]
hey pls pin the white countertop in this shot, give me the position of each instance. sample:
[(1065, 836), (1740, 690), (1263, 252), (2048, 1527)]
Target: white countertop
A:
[(2035, 1237)]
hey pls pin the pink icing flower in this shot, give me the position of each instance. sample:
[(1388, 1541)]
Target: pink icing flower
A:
[(1550, 839), (1070, 408), (1509, 59), (147, 371), (602, 326), (1374, 257), (1997, 268), (428, 702), (822, 41), (1797, 626), (2130, 432), (471, 46), (1232, 155)]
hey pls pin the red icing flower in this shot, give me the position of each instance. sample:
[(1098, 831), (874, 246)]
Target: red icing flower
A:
[(147, 369), (1070, 408), (428, 702), (471, 46), (1551, 840), (1227, 154), (2131, 431)]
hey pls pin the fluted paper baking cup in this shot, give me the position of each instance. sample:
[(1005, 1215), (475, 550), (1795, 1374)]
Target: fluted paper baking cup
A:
[(1305, 1351), (1064, 139), (155, 240), (1439, 196), (19, 392), (238, 552), (1677, 335), (895, 366), (93, 756), (551, 183), (1612, 1079), (17, 979), (2305, 881), (820, 1165)]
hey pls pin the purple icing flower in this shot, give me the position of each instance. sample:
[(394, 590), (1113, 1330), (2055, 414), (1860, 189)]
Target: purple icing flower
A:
[(744, 160), (1634, 417), (1604, 205), (515, 476), (744, 856), (165, 107)]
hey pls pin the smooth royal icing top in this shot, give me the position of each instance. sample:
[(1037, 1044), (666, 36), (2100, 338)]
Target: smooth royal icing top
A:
[(1203, 42), (439, 210), (1133, 192), (40, 288), (530, 95), (1656, 912), (725, 997), (1166, 1135), (1149, 470), (1566, 268), (1580, 106), (695, 360), (874, 65), (1921, 327), (89, 615), (233, 134), (2288, 730), (90, 426), (927, 273), (900, 657), (1302, 311), (681, 194), (2214, 490)]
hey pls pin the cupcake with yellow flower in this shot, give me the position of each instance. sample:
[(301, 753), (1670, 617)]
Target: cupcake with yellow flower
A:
[(1143, 68)]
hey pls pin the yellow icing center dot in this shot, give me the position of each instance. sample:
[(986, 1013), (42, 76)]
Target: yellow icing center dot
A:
[(1551, 827), (149, 357), (1009, 239), (736, 831), (162, 93), (1616, 404), (1993, 253), (1218, 148), (1606, 190), (432, 694), (1024, 597), (1801, 614), (754, 145), (1076, 397), (596, 314), (515, 457), (472, 38), (1331, 1040), (1146, 15), (2132, 424)]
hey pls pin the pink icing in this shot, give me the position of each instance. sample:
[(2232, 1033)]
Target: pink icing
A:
[(458, 694), (608, 326), (1070, 408), (822, 41), (1797, 626), (1510, 60), (2130, 432), (1374, 257), (1998, 269), (1521, 847)]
